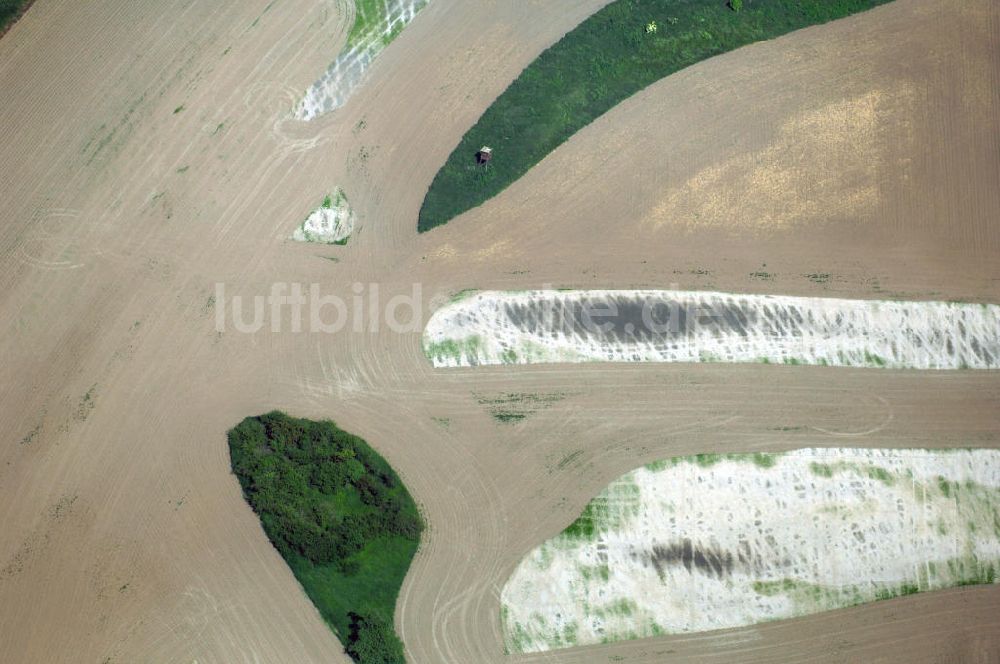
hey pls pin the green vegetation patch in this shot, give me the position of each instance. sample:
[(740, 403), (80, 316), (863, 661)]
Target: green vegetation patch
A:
[(369, 16), (337, 199), (810, 597), (610, 510), (707, 460), (340, 517), (462, 294), (513, 407), (454, 349), (604, 60), (371, 23), (10, 11), (872, 471)]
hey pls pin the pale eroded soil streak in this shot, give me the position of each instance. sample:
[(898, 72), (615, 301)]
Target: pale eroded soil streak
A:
[(689, 545), (677, 326)]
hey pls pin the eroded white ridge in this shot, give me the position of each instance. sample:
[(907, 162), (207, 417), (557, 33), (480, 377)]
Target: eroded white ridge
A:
[(711, 542), (493, 327), (330, 223), (365, 42)]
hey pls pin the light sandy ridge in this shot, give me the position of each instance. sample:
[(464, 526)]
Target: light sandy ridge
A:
[(703, 543), (530, 327)]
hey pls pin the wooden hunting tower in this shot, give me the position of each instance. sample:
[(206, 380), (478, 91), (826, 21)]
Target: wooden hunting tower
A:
[(484, 156)]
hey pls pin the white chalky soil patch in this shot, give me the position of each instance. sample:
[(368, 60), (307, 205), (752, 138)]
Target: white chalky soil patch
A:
[(369, 36), (710, 542), (330, 223), (493, 327)]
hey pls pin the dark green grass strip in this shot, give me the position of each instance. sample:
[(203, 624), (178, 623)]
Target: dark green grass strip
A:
[(340, 517), (606, 59)]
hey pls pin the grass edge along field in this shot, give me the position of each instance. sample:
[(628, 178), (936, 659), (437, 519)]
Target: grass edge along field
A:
[(340, 517), (714, 541), (616, 52), (10, 12)]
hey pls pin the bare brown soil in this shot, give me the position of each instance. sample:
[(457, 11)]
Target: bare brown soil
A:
[(855, 159)]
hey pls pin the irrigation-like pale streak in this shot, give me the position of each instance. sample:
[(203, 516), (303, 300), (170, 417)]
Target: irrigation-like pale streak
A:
[(347, 71), (710, 542), (495, 327)]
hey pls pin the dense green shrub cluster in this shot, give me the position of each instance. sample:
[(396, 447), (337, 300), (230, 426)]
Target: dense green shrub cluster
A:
[(371, 639), (339, 515), (607, 58)]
